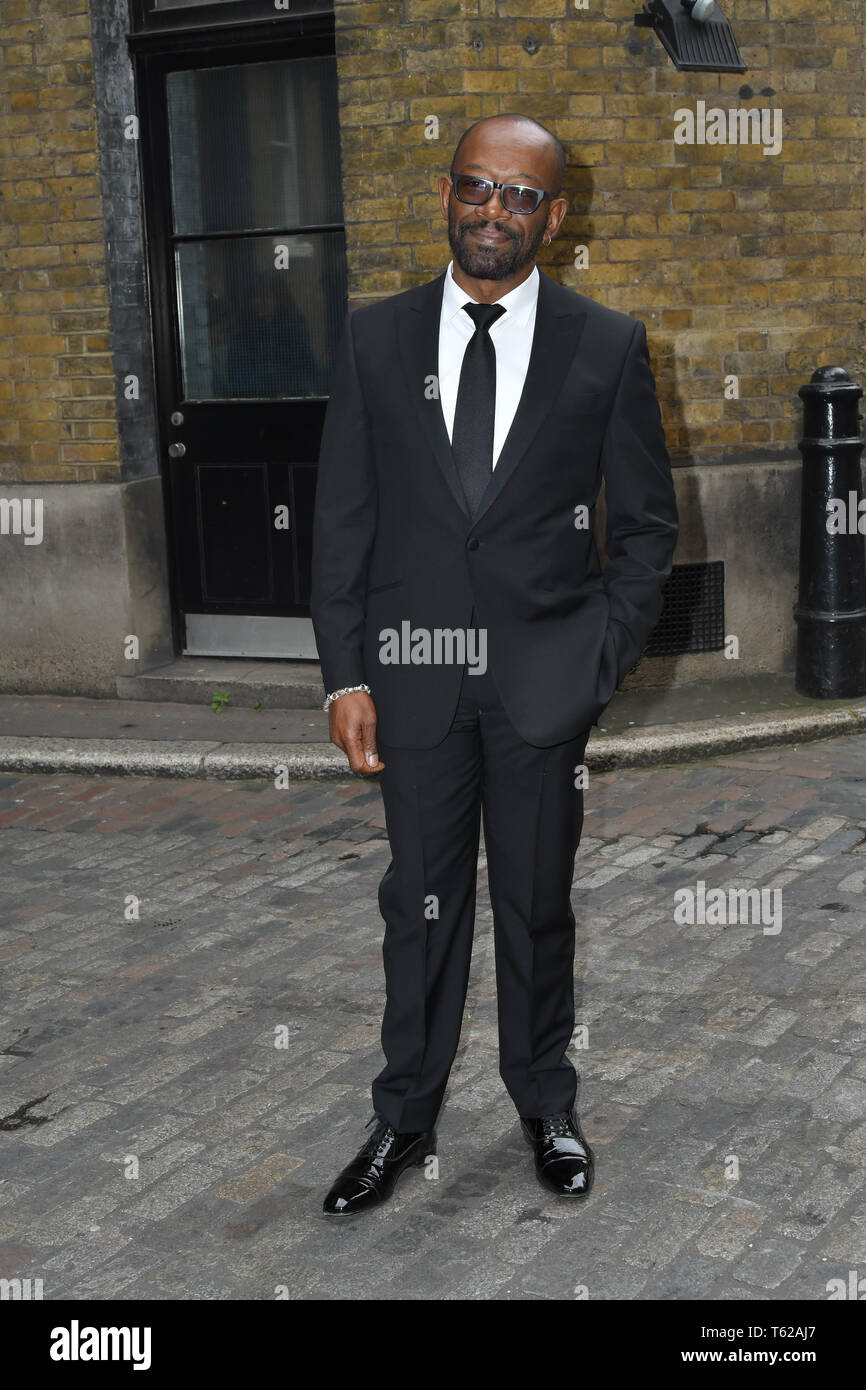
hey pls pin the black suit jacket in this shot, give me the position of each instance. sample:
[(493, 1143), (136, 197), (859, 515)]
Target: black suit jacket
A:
[(393, 540)]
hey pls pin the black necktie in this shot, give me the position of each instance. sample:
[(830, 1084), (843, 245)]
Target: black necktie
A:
[(475, 413)]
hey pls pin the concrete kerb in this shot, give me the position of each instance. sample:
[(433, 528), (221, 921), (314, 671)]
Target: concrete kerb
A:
[(689, 742), (650, 746)]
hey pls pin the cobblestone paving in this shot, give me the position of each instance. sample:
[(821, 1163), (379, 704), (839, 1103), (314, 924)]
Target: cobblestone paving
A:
[(181, 1079)]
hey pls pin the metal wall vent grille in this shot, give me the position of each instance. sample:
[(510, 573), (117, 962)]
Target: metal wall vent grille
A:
[(693, 617)]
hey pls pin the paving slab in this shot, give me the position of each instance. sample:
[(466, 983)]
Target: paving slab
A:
[(189, 1024)]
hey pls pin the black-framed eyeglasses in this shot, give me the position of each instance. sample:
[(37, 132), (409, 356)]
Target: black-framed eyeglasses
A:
[(516, 197)]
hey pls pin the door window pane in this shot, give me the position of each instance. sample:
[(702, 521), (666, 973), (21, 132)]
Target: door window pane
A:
[(247, 329), (255, 145)]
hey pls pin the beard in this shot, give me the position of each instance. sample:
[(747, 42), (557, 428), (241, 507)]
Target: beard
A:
[(491, 262)]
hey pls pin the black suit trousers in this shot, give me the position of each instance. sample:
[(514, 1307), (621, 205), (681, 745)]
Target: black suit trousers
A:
[(532, 814)]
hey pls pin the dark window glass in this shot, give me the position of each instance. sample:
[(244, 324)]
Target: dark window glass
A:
[(255, 181), (255, 145), (249, 329)]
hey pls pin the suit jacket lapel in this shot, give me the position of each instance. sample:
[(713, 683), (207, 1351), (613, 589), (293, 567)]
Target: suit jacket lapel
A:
[(559, 323), (418, 337)]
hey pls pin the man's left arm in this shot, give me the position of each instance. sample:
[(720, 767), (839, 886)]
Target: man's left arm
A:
[(641, 507)]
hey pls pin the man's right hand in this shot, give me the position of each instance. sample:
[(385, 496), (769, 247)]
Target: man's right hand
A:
[(352, 724)]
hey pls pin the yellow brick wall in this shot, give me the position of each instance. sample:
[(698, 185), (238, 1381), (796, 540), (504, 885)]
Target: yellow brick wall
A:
[(57, 408), (738, 262)]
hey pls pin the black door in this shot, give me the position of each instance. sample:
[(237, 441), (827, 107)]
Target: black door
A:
[(248, 277)]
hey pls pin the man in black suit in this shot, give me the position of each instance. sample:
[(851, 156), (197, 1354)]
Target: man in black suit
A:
[(468, 636)]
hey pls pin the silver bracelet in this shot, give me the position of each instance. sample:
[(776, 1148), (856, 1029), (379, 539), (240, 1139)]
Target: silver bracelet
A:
[(347, 690)]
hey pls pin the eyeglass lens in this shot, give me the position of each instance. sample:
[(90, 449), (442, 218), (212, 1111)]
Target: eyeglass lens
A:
[(514, 197)]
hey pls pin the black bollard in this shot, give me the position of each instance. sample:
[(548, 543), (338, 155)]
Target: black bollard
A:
[(831, 607)]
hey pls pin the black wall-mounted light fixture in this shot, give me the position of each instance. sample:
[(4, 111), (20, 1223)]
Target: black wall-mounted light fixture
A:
[(694, 33)]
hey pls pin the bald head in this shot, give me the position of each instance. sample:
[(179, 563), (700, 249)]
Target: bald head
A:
[(514, 127)]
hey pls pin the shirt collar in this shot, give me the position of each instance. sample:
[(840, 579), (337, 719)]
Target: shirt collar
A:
[(518, 303)]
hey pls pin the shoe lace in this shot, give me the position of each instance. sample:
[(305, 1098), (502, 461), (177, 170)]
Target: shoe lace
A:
[(381, 1139), (555, 1126)]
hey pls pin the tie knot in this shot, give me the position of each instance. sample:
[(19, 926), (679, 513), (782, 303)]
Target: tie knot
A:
[(484, 315)]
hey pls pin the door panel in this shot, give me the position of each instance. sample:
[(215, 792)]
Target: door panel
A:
[(235, 534)]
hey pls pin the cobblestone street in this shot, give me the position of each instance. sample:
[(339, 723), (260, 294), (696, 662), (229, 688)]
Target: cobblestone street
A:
[(191, 1000)]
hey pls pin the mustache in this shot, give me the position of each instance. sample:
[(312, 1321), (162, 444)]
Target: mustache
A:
[(465, 228)]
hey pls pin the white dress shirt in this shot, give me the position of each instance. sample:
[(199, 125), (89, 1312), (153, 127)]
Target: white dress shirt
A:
[(511, 336)]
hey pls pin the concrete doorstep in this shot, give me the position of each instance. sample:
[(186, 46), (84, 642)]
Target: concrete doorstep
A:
[(147, 738)]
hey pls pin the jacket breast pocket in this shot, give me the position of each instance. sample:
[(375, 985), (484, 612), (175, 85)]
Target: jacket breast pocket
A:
[(381, 588)]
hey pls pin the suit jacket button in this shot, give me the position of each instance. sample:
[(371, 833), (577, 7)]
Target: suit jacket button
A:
[(473, 543)]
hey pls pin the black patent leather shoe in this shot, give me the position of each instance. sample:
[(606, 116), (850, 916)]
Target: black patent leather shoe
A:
[(369, 1179), (564, 1162)]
